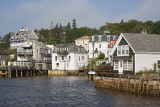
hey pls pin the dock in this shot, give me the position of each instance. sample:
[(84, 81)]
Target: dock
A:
[(17, 71)]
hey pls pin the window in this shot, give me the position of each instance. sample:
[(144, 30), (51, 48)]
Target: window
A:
[(158, 63), (100, 38), (130, 65), (57, 64), (83, 41), (79, 58), (127, 50), (125, 67), (69, 58), (114, 37), (99, 45), (93, 38), (67, 64), (119, 50), (108, 38), (62, 57), (55, 58), (116, 65), (82, 57), (77, 42), (112, 44), (77, 64), (123, 50)]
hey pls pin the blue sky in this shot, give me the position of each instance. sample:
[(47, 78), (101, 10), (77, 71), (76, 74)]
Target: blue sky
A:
[(91, 13)]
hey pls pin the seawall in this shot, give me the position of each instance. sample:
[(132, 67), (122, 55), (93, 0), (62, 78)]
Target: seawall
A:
[(136, 86)]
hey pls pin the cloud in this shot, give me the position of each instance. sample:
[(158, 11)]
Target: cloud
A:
[(40, 14), (149, 10)]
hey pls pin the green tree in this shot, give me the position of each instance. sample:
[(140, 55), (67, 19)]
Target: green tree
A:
[(101, 56)]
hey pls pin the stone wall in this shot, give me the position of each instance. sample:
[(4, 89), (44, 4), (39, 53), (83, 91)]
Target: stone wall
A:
[(137, 86)]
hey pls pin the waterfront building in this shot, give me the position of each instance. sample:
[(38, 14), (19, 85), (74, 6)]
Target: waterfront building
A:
[(3, 58), (135, 52), (99, 44), (69, 57), (83, 41), (19, 38), (33, 53)]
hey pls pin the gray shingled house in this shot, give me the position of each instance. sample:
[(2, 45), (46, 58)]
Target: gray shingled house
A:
[(135, 52), (19, 38)]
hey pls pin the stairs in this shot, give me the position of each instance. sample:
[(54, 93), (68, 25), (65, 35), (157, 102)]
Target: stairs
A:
[(33, 61)]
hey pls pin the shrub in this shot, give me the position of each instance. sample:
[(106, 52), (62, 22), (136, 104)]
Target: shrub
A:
[(101, 56)]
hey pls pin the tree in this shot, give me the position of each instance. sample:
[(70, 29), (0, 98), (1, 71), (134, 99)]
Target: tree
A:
[(101, 56)]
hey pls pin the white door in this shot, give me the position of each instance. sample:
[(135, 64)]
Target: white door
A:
[(120, 71)]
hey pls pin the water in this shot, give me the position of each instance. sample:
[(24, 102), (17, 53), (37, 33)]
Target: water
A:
[(65, 92)]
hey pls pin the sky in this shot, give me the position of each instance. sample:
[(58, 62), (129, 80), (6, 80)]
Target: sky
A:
[(37, 14)]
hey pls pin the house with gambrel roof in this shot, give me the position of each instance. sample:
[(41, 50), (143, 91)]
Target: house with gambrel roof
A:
[(99, 44), (135, 52)]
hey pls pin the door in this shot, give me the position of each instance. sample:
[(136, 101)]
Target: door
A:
[(120, 71)]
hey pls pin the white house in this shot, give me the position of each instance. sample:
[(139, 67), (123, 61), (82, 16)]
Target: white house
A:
[(19, 38), (99, 44), (69, 57), (135, 52)]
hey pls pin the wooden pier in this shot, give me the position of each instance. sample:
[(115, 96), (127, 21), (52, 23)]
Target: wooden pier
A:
[(16, 71)]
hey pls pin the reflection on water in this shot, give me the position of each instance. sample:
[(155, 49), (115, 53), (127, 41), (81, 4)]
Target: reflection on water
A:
[(65, 91)]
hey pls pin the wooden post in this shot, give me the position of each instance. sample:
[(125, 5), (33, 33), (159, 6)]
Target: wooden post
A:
[(147, 88), (119, 85), (128, 82), (143, 84), (21, 73), (16, 72), (139, 86)]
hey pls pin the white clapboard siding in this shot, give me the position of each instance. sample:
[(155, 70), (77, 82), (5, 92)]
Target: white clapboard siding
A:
[(147, 61)]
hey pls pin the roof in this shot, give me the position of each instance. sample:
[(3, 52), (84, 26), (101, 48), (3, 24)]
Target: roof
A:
[(26, 34), (71, 47), (83, 37), (114, 41), (65, 45), (104, 37), (143, 42)]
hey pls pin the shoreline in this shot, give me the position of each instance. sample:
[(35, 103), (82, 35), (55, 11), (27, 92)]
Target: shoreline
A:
[(135, 86)]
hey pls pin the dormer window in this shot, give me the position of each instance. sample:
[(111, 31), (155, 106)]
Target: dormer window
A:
[(112, 44), (93, 38), (108, 38), (114, 37), (100, 38)]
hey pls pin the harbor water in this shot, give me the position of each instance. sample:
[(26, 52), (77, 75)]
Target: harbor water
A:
[(65, 92)]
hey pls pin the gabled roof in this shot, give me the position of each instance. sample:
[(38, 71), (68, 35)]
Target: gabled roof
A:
[(143, 42), (83, 37)]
